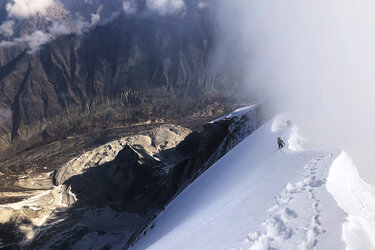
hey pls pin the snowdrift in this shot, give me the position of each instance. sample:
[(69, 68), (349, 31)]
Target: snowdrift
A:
[(357, 199), (258, 197)]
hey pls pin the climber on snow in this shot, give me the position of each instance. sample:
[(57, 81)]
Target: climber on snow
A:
[(280, 142)]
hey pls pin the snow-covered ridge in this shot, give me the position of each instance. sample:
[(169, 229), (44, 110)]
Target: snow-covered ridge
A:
[(357, 199), (236, 113), (258, 197), (244, 122)]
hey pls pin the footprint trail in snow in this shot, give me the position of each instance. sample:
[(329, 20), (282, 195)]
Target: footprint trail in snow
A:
[(292, 218)]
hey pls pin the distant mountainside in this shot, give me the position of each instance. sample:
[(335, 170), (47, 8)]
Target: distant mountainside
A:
[(129, 69)]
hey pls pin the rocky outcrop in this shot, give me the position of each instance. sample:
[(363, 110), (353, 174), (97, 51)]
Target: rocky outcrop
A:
[(133, 177), (123, 170), (133, 185), (122, 174), (142, 186), (201, 150), (146, 145), (199, 147), (145, 171), (205, 148)]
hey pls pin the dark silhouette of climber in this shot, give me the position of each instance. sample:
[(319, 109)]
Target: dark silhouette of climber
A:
[(280, 142)]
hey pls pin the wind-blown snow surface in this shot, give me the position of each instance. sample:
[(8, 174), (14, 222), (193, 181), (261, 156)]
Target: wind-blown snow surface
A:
[(258, 197), (236, 113)]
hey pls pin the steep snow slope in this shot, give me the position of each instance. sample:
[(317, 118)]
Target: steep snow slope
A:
[(258, 197)]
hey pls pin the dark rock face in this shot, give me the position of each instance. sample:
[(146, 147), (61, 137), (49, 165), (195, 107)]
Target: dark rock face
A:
[(125, 170), (141, 185), (201, 151), (200, 147), (131, 70), (133, 185)]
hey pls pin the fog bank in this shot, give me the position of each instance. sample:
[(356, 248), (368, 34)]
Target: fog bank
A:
[(315, 59)]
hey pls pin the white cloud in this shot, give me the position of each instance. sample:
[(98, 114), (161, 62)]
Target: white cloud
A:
[(7, 44), (129, 7), (95, 18), (316, 60), (82, 25), (34, 40), (6, 28), (38, 38), (166, 7), (60, 28), (202, 5), (27, 8)]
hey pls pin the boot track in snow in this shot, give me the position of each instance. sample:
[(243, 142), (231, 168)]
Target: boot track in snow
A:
[(281, 224)]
